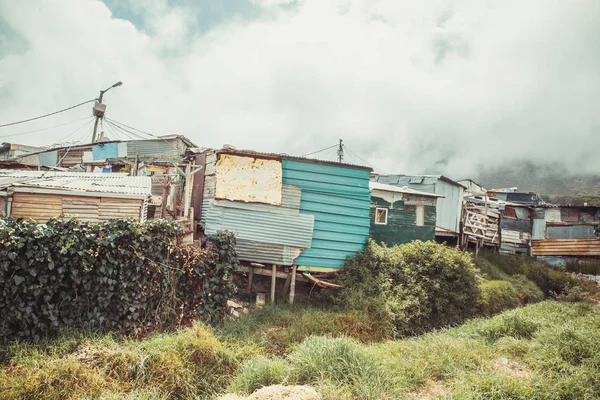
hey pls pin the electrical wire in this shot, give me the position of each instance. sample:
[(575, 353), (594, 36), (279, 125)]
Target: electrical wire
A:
[(72, 133), (359, 157), (46, 115), (124, 130), (319, 151), (113, 132), (131, 127), (44, 129)]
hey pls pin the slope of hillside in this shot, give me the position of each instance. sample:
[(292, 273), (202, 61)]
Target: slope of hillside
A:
[(553, 181)]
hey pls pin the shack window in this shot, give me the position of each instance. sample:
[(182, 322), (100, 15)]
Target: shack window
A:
[(381, 215), (420, 221)]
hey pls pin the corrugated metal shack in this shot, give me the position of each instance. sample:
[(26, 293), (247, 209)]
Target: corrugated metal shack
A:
[(449, 207), (285, 210), (564, 234), (160, 158), (42, 195), (401, 215)]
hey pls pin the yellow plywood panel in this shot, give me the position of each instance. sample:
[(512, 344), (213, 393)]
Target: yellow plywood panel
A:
[(248, 179)]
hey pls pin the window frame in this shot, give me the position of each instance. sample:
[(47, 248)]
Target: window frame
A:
[(377, 209)]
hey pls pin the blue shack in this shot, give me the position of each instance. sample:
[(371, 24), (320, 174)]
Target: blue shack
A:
[(284, 210)]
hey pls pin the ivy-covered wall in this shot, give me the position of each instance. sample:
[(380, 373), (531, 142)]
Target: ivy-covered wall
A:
[(118, 276), (401, 223)]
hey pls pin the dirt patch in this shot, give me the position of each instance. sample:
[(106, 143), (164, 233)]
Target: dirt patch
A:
[(512, 368), (279, 392), (432, 390)]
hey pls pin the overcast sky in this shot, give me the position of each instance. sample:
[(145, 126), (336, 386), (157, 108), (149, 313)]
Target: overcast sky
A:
[(411, 86)]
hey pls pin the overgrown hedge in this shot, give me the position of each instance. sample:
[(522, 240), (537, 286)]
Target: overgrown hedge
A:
[(119, 275), (416, 286)]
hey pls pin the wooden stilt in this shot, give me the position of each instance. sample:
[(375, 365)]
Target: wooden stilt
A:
[(286, 285), (273, 282), (250, 277), (293, 285)]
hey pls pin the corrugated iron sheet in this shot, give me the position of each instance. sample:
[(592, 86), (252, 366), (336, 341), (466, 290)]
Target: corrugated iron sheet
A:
[(260, 226), (87, 182), (571, 232), (290, 202), (159, 148), (566, 247), (339, 199), (266, 253)]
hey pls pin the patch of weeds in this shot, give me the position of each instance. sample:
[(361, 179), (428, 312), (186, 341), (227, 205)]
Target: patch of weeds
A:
[(508, 324), (258, 372)]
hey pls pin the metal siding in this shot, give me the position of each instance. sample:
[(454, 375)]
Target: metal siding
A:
[(266, 253), (571, 232), (566, 247), (261, 226), (338, 197), (290, 203), (167, 148), (538, 230), (449, 207)]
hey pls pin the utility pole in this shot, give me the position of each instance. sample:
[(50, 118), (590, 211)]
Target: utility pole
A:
[(340, 152), (100, 108)]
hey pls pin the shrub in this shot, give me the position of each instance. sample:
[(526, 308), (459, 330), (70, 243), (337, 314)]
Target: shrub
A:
[(119, 275), (416, 286), (497, 296)]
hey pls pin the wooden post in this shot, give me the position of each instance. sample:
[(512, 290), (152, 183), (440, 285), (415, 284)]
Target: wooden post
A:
[(163, 206), (250, 277), (273, 282), (293, 285), (187, 189), (286, 285)]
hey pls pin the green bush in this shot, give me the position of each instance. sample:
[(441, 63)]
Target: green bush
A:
[(416, 287), (119, 275), (497, 296)]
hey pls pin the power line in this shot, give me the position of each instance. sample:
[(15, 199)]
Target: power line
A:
[(123, 130), (318, 151), (46, 115), (359, 157), (89, 121), (130, 127), (43, 129)]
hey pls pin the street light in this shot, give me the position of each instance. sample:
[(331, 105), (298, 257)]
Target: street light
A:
[(100, 108)]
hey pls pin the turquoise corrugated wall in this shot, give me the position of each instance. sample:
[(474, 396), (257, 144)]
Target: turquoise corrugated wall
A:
[(339, 199)]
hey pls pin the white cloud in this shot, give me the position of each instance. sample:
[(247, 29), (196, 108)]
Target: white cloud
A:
[(408, 85)]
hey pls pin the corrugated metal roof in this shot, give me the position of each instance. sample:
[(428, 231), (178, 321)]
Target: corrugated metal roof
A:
[(87, 182), (400, 189), (339, 199)]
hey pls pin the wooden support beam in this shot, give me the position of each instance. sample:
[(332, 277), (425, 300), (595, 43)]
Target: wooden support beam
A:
[(273, 282), (267, 272), (286, 286), (293, 285), (250, 278)]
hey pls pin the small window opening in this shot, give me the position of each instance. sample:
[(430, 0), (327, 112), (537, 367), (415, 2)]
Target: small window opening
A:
[(420, 220), (381, 215)]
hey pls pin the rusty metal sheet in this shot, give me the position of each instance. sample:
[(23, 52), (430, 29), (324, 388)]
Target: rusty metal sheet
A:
[(248, 179), (566, 247)]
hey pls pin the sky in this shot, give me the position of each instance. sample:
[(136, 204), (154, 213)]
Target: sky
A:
[(444, 86)]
